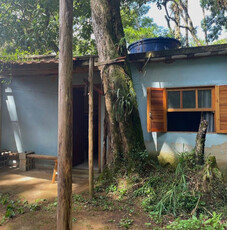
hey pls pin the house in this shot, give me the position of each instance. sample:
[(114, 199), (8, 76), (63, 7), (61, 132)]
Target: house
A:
[(30, 109), (175, 88)]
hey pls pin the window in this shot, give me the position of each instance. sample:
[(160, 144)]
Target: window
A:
[(187, 106), (181, 109)]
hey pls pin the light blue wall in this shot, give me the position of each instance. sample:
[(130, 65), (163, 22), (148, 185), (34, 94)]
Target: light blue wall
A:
[(181, 73), (30, 113)]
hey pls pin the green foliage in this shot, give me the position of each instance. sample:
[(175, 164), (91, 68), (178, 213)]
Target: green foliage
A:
[(178, 198), (138, 26), (112, 188), (74, 220), (200, 223), (170, 196), (78, 198), (29, 25), (123, 105), (14, 208), (51, 206), (7, 59), (126, 222), (166, 193), (220, 41), (216, 20), (33, 26)]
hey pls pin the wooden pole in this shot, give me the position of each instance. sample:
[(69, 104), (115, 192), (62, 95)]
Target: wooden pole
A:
[(0, 115), (64, 210), (90, 128)]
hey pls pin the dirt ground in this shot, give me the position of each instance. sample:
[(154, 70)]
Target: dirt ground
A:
[(36, 185)]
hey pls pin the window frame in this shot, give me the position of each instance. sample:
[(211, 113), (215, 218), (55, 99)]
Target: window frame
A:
[(219, 107), (196, 109)]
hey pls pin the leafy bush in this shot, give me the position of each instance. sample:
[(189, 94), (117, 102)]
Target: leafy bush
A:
[(200, 223)]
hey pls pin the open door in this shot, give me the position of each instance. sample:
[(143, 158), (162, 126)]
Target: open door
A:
[(80, 128)]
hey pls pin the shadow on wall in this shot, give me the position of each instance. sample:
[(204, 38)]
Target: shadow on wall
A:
[(167, 148), (14, 121)]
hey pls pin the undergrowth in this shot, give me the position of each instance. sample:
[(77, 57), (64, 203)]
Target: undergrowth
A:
[(167, 193), (17, 207)]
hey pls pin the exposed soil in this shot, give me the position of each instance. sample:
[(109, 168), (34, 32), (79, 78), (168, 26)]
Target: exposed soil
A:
[(35, 185), (85, 220)]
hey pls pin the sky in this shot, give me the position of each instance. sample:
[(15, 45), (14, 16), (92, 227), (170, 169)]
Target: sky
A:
[(195, 13)]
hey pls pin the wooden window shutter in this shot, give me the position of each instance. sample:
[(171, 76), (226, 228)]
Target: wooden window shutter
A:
[(221, 108), (156, 110)]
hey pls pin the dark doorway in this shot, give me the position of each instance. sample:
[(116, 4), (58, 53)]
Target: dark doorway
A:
[(80, 128)]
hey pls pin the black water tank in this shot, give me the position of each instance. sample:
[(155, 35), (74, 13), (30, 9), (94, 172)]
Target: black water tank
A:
[(154, 44)]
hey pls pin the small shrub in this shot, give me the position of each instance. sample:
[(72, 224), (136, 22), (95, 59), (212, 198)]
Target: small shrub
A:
[(126, 222), (111, 188), (195, 223)]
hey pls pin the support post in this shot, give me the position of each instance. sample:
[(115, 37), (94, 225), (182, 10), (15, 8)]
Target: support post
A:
[(90, 128), (25, 162), (64, 209)]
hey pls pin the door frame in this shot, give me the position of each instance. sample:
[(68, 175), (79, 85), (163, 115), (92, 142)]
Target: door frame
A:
[(97, 88)]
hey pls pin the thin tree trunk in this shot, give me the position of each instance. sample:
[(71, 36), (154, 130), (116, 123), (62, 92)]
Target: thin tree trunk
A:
[(64, 210), (205, 25), (177, 23), (90, 129), (125, 132), (200, 142), (186, 24), (188, 21), (168, 24)]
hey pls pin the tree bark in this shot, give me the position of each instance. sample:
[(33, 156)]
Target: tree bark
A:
[(124, 123), (200, 142), (64, 210), (176, 11), (186, 24)]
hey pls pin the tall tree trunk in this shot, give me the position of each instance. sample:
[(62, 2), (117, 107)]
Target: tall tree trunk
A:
[(186, 24), (205, 26), (64, 210), (125, 130)]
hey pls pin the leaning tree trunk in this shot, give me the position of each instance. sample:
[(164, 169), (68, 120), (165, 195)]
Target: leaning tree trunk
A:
[(125, 130), (200, 142)]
